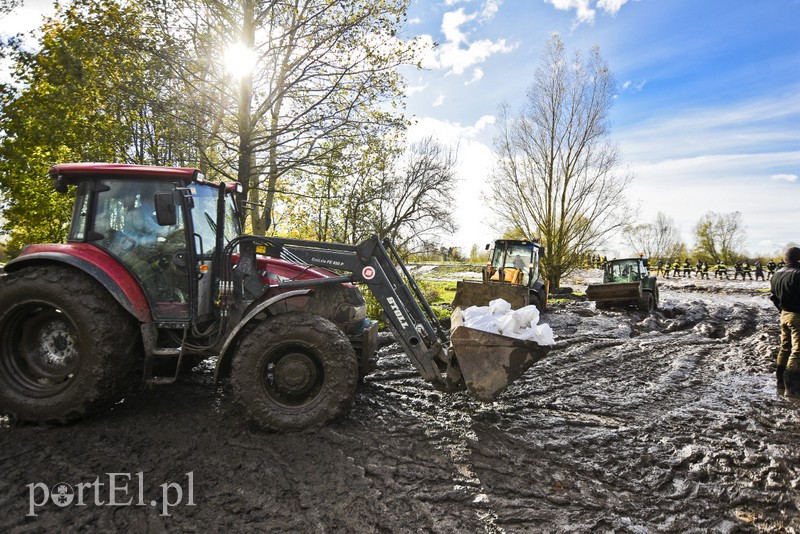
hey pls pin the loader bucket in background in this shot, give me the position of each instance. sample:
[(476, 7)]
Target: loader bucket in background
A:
[(469, 293), (614, 292), (489, 363)]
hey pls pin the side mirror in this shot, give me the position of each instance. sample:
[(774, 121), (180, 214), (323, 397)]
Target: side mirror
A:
[(60, 184), (166, 213), (488, 245)]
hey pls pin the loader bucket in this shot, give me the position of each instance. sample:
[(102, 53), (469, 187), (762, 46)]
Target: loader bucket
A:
[(489, 363), (470, 293), (614, 292)]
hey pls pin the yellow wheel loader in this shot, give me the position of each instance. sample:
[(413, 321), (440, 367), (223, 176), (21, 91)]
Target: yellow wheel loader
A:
[(512, 274)]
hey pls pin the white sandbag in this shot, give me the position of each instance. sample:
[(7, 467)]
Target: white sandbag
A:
[(499, 306), (499, 318), (474, 311), (541, 334), (529, 315), (508, 324), (486, 323)]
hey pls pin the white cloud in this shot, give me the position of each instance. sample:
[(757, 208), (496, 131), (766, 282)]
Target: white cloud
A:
[(451, 25), (453, 57), (633, 87), (439, 101), (484, 122), (784, 177), (414, 89), (584, 12), (458, 53), (475, 162), (490, 9), (415, 21), (611, 7), (429, 59), (477, 74)]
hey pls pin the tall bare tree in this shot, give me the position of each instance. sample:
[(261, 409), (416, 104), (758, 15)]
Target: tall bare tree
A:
[(720, 236), (405, 197), (557, 176), (415, 206), (7, 6), (658, 240)]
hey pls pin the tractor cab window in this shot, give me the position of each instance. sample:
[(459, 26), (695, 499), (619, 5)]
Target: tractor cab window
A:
[(125, 225), (80, 213), (518, 260), (622, 271), (204, 220)]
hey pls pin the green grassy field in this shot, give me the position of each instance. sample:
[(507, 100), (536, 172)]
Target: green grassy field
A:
[(437, 283)]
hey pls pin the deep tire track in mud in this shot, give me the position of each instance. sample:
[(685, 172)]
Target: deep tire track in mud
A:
[(667, 422)]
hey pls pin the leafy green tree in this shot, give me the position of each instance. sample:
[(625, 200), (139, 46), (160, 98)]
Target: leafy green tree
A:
[(322, 81), (336, 205), (91, 91), (720, 236)]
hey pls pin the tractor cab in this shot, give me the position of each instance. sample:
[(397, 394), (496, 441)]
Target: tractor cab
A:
[(625, 270), (514, 262), (626, 282), (160, 225)]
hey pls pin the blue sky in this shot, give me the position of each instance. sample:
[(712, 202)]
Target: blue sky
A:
[(707, 115)]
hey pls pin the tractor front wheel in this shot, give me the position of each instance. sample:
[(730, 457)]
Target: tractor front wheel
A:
[(66, 346), (647, 302), (294, 371)]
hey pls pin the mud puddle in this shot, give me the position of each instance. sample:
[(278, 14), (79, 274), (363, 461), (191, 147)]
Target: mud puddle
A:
[(634, 423)]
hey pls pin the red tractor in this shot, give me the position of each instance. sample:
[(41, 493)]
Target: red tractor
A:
[(156, 264)]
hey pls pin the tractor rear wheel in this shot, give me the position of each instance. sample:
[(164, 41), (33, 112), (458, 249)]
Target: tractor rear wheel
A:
[(66, 345), (294, 371)]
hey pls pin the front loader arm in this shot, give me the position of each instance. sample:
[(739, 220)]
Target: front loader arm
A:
[(373, 263)]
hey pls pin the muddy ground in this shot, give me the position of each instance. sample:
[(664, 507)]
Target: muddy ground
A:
[(663, 423)]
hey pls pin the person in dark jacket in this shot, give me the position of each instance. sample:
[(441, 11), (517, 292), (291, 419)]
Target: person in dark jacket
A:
[(785, 286), (759, 271), (771, 266)]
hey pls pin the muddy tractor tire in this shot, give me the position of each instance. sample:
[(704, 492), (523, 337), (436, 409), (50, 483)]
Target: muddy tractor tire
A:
[(647, 302), (539, 299), (294, 371), (66, 346)]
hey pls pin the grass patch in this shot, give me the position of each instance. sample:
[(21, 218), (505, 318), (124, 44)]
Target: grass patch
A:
[(438, 293)]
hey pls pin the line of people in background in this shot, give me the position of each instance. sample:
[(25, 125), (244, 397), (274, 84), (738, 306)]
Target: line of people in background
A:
[(701, 269)]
